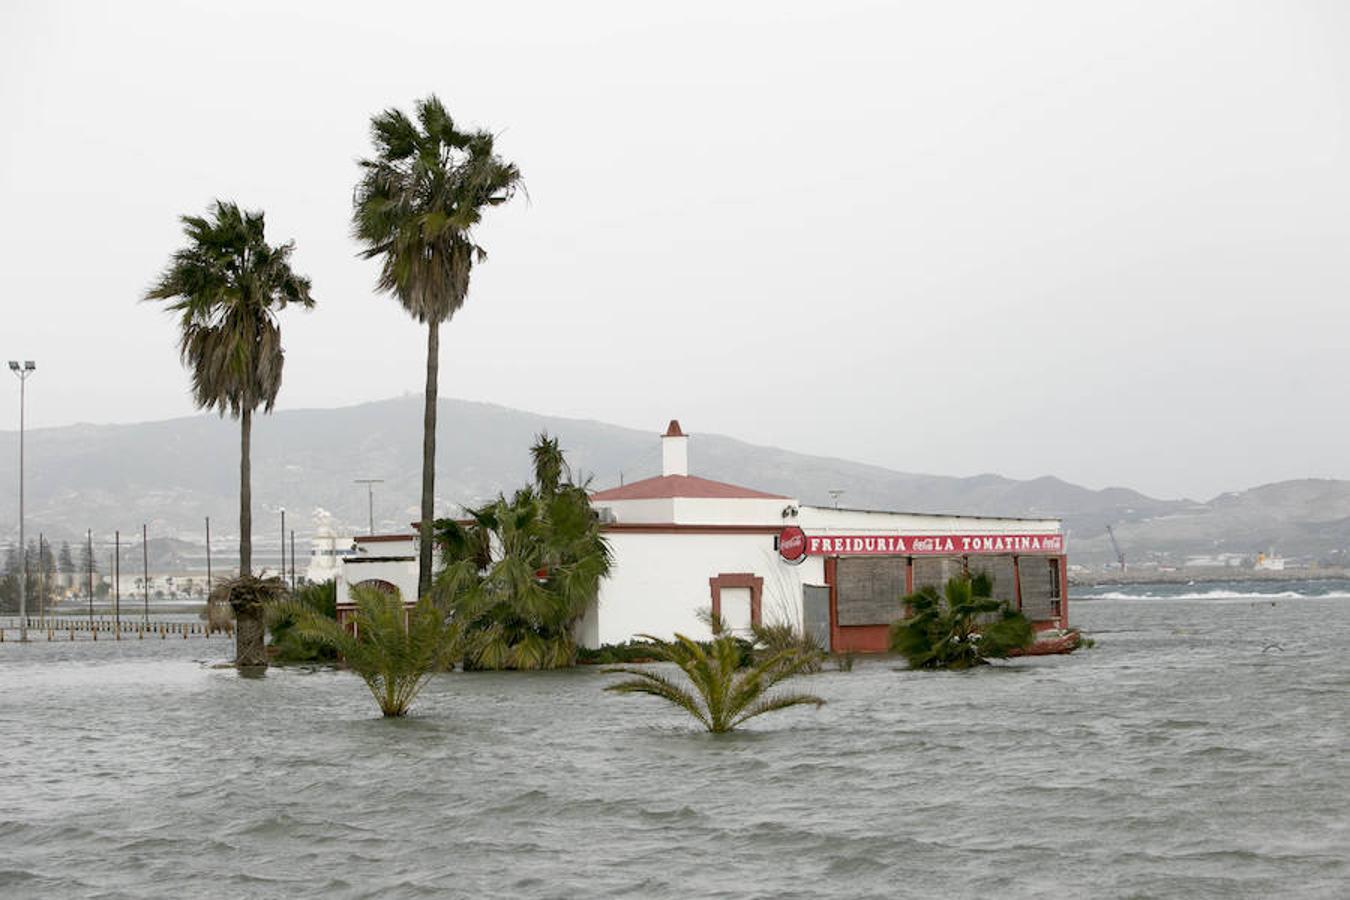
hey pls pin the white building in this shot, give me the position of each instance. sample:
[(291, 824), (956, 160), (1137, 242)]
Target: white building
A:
[(682, 543)]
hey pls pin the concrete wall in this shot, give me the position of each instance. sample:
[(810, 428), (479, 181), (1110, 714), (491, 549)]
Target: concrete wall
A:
[(661, 510), (826, 520), (400, 572), (660, 582)]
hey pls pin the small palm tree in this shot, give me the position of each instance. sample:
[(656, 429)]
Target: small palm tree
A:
[(724, 695), (395, 650), (226, 286), (415, 207), (964, 626)]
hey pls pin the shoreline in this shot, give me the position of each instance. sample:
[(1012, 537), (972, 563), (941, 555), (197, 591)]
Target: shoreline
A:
[(1210, 576)]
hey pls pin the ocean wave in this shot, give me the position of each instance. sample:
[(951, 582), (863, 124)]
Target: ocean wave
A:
[(1217, 594)]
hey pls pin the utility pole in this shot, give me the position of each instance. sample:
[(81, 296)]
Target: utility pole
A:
[(117, 579), (145, 576), (42, 581), (292, 559), (28, 368), (370, 499), (283, 543)]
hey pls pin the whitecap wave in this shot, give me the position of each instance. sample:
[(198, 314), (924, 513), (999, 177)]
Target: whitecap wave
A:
[(1217, 595)]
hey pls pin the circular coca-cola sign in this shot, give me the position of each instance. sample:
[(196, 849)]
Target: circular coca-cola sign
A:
[(792, 544)]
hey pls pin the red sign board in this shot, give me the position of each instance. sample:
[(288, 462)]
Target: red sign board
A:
[(929, 544), (792, 544)]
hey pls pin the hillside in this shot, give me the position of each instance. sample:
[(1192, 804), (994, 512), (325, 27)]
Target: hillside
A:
[(174, 473)]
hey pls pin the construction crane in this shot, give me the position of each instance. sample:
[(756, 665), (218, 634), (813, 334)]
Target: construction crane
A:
[(1120, 554)]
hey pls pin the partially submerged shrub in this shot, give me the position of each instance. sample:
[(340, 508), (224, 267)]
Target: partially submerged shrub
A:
[(288, 644), (614, 654), (961, 627), (721, 694), (521, 573), (395, 650), (784, 637)]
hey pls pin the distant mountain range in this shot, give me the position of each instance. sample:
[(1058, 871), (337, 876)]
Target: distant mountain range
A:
[(174, 473)]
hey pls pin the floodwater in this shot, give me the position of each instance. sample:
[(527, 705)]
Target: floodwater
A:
[(1202, 749)]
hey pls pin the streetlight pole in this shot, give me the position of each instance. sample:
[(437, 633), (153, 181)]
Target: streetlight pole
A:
[(283, 543), (28, 368), (370, 498)]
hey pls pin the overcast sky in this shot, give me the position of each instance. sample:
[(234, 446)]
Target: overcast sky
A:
[(1102, 241)]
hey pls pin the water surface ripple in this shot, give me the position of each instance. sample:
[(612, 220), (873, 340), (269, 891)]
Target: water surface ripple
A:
[(1199, 750)]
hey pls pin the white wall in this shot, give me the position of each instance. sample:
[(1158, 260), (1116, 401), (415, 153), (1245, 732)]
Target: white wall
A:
[(660, 582), (661, 510), (402, 573), (826, 520), (730, 511)]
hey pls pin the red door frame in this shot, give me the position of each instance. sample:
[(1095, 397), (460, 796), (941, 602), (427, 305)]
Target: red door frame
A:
[(737, 580)]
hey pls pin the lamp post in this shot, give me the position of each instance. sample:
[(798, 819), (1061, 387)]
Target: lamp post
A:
[(370, 498), (22, 371)]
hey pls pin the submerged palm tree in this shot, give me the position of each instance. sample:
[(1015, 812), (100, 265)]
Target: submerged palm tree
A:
[(964, 626), (724, 695), (415, 207), (395, 650), (226, 286)]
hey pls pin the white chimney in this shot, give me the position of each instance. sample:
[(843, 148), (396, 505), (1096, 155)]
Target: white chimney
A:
[(674, 450)]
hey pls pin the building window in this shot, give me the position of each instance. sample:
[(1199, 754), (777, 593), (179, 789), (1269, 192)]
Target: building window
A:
[(1056, 592)]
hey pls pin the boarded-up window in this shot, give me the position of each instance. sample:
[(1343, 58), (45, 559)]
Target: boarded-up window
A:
[(1000, 571), (1040, 600), (870, 590), (936, 570)]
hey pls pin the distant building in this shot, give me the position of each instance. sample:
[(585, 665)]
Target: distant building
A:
[(1216, 561), (1269, 563), (682, 543)]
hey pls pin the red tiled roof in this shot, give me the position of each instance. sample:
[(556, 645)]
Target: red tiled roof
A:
[(673, 429), (664, 486)]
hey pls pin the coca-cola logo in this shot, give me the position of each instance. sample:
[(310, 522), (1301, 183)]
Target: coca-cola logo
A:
[(792, 544)]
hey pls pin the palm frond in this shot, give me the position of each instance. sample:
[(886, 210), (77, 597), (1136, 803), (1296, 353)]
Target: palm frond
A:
[(774, 703)]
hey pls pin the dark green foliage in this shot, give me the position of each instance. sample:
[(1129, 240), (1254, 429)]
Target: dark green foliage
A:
[(959, 628), (66, 560), (288, 645), (395, 650), (252, 594), (615, 654), (721, 693), (521, 574), (226, 286), (415, 209)]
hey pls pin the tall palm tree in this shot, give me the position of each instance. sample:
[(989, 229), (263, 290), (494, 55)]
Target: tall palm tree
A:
[(226, 287), (415, 207)]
